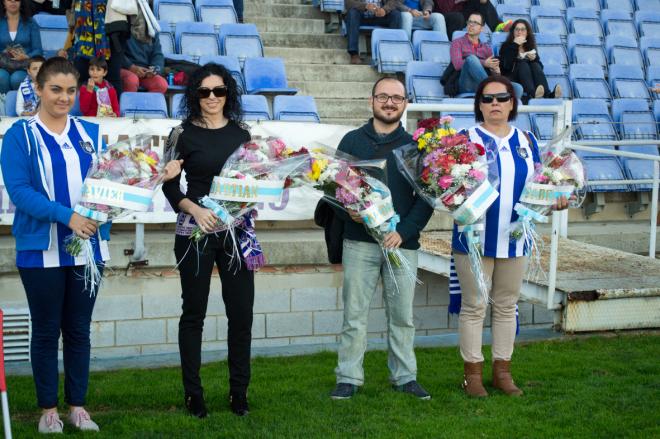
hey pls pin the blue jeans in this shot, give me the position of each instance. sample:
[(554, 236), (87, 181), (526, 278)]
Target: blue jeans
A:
[(472, 73), (355, 19), (11, 81), (58, 304), (435, 22), (364, 265)]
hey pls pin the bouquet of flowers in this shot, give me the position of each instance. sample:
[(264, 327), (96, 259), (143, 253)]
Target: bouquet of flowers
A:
[(560, 173), (256, 172), (347, 183), (123, 180), (452, 174)]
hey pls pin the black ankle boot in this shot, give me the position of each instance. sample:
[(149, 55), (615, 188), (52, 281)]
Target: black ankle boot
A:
[(239, 403), (196, 406)]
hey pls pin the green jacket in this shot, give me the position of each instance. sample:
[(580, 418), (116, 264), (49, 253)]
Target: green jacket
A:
[(365, 144)]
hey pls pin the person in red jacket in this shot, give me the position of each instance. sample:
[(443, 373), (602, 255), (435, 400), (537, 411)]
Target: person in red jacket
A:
[(98, 98)]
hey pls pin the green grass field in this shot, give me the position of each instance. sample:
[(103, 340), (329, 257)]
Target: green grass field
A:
[(600, 387)]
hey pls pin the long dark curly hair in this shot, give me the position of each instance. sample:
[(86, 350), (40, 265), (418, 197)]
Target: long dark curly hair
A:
[(531, 40), (190, 107)]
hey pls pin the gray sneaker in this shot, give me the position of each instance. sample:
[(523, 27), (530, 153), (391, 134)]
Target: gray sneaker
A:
[(344, 391), (80, 419), (50, 423), (413, 388)]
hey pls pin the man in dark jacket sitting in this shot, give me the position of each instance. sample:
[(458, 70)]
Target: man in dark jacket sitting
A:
[(363, 259), (383, 13)]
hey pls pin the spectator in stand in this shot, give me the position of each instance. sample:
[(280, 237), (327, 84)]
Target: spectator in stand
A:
[(27, 100), (49, 7), (474, 59), (383, 13), (457, 12), (98, 98), (143, 63), (19, 41), (416, 14), (520, 62)]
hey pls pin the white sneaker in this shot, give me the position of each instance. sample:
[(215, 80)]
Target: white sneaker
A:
[(50, 423), (80, 419)]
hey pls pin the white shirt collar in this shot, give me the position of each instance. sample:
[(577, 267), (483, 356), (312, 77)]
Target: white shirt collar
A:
[(61, 139), (502, 142)]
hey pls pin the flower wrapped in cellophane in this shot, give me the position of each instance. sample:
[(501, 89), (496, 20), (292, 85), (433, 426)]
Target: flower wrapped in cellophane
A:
[(351, 185), (257, 172), (559, 174), (124, 179), (452, 174)]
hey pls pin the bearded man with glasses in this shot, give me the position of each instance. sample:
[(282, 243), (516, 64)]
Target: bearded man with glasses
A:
[(363, 260)]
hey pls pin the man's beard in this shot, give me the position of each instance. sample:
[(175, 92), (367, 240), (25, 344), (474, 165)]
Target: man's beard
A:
[(381, 116)]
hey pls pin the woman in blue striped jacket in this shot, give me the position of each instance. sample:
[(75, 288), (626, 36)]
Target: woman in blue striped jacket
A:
[(504, 260)]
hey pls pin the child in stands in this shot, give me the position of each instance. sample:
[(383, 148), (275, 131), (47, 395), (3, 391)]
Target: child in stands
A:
[(98, 98), (27, 100)]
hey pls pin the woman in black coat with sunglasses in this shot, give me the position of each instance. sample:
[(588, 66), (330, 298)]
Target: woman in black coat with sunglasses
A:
[(210, 133)]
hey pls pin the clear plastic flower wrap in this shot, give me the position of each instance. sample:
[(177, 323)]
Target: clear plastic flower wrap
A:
[(258, 171), (452, 174), (356, 187), (124, 179), (560, 173)]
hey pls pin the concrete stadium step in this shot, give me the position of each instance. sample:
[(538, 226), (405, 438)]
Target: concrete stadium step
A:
[(333, 107), (330, 73), (324, 89), (254, 10), (314, 41), (303, 55), (307, 26), (345, 121)]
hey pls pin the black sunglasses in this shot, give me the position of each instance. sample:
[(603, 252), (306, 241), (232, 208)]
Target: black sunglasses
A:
[(500, 97), (219, 92)]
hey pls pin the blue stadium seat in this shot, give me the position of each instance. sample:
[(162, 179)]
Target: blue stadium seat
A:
[(391, 50), (143, 105), (196, 39), (266, 75), (555, 75), (182, 57), (647, 5), (483, 37), (635, 120), (553, 54), (255, 107), (603, 168), (650, 47), (423, 81), (584, 21), (553, 4), (497, 39), (656, 110), (586, 49), (176, 110), (462, 121), (547, 39), (588, 4), (619, 106), (549, 20), (543, 123), (331, 5), (174, 11), (429, 45), (295, 109), (648, 23), (592, 121), (588, 81), (638, 169), (628, 82), (526, 4), (618, 22), (523, 121), (167, 43), (623, 50), (10, 103), (513, 12), (241, 40), (216, 12), (618, 5), (53, 30), (231, 63)]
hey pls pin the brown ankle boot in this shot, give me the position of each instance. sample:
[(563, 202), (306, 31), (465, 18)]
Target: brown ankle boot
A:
[(502, 378), (472, 379)]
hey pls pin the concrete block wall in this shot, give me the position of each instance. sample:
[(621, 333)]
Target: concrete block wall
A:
[(137, 313)]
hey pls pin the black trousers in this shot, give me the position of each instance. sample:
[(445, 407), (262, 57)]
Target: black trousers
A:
[(487, 9), (195, 270), (530, 75)]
